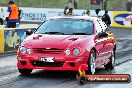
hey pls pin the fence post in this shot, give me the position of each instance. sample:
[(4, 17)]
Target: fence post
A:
[(20, 3), (41, 3), (83, 4), (62, 2)]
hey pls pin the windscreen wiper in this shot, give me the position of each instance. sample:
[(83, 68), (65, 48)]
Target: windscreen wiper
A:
[(81, 34), (53, 33)]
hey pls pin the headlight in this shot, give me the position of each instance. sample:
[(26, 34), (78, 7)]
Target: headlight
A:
[(29, 51), (67, 52), (23, 50), (76, 51)]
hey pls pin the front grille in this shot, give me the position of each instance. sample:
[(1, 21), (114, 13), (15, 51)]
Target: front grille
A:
[(47, 64), (48, 51)]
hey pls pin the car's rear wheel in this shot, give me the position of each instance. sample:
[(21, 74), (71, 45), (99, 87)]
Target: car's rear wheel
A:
[(111, 64), (92, 62), (25, 71)]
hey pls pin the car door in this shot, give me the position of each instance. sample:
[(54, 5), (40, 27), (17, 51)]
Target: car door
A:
[(107, 40), (100, 44), (109, 44)]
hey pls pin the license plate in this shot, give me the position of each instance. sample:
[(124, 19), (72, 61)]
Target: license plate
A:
[(46, 59)]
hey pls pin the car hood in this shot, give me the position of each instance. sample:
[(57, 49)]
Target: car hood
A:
[(53, 41)]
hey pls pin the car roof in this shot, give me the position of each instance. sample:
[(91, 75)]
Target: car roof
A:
[(76, 17)]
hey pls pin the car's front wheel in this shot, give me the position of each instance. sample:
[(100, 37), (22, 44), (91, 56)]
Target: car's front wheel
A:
[(92, 62), (111, 64), (25, 71)]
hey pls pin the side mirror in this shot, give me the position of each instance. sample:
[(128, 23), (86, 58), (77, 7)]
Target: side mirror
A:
[(102, 34), (29, 32)]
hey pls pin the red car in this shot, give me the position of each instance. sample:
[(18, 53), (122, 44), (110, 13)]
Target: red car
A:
[(66, 43)]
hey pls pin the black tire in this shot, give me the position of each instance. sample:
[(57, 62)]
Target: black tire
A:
[(111, 64), (81, 80), (89, 71), (25, 71)]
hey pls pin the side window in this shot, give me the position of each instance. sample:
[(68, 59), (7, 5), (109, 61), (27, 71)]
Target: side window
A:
[(101, 26), (98, 27), (106, 29), (104, 26)]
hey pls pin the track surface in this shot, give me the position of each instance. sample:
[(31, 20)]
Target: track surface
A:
[(10, 77)]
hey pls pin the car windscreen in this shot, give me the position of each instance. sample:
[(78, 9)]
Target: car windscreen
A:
[(66, 26)]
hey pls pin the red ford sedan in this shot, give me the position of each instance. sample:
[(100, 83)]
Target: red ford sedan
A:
[(66, 43)]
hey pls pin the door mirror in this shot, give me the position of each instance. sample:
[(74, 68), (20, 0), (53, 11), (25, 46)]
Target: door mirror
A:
[(29, 32), (102, 34)]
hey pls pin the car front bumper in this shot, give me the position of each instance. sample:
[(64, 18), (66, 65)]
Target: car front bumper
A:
[(65, 63)]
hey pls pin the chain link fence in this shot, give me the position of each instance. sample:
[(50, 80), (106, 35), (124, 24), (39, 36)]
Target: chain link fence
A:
[(113, 5)]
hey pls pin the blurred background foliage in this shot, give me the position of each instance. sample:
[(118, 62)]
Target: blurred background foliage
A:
[(113, 5)]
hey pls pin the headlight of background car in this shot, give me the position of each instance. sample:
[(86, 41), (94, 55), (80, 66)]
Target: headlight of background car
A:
[(67, 52), (76, 51), (29, 51), (23, 50)]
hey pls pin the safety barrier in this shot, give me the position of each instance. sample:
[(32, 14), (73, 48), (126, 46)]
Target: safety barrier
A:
[(10, 38), (1, 41), (118, 18)]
